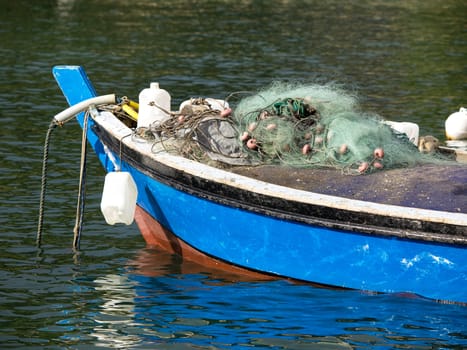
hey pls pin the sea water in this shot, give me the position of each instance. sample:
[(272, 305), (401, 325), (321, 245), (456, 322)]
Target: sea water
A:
[(406, 61)]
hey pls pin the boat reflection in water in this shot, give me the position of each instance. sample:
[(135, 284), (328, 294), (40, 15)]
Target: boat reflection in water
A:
[(133, 309), (116, 313), (167, 300), (163, 300)]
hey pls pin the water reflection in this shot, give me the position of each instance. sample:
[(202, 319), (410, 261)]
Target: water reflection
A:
[(117, 322), (64, 8), (153, 262), (115, 316), (163, 301)]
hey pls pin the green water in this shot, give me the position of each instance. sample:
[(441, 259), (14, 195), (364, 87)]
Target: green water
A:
[(406, 60)]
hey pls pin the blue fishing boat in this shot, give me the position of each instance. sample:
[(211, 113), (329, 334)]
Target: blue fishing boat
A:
[(401, 230)]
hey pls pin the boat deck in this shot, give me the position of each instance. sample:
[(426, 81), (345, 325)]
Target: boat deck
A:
[(432, 187)]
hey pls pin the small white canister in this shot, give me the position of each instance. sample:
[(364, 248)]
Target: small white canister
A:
[(154, 105), (118, 202)]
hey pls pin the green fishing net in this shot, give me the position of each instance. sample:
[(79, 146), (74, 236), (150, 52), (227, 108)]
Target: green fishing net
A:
[(299, 125), (320, 126)]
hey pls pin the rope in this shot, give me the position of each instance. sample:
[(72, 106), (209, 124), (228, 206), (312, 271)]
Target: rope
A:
[(183, 126), (82, 187), (44, 182)]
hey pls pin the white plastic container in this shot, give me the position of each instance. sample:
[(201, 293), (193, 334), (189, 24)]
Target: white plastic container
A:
[(456, 125), (154, 105), (410, 129), (118, 202), (215, 104)]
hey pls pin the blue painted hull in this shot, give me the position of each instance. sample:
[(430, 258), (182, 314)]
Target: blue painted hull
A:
[(289, 248), (306, 252)]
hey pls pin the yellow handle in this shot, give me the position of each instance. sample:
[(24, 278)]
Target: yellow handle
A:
[(133, 105), (130, 111)]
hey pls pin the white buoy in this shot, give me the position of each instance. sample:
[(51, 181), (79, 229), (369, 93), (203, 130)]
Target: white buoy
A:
[(118, 202), (456, 125)]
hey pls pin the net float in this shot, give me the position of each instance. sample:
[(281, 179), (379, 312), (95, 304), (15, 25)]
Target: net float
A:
[(226, 112), (378, 165), (363, 167), (252, 126), (251, 144), (245, 136), (378, 153), (271, 126)]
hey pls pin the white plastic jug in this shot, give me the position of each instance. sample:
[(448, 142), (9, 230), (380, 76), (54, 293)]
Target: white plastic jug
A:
[(118, 202), (154, 105)]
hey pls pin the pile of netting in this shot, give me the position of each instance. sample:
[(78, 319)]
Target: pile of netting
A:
[(320, 126), (292, 125)]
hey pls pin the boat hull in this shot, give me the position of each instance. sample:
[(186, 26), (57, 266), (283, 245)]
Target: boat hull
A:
[(204, 231)]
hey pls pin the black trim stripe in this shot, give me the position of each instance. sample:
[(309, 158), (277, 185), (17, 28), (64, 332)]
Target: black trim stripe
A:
[(312, 214)]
